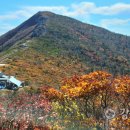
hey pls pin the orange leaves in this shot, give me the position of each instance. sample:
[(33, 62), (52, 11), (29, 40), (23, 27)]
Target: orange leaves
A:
[(100, 90), (97, 75), (100, 84), (74, 92), (50, 92), (65, 88), (81, 85), (92, 94), (95, 82), (54, 94), (122, 85)]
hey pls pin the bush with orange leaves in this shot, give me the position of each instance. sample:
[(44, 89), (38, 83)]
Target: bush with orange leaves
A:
[(51, 93), (95, 93), (79, 86)]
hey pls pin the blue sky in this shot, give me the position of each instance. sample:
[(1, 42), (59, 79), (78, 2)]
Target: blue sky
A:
[(110, 14)]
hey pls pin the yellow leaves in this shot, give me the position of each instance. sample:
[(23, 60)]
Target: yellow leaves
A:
[(57, 106), (74, 91), (65, 88), (68, 109)]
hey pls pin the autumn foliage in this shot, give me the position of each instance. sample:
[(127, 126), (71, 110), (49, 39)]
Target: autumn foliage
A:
[(22, 111), (80, 103), (81, 85), (93, 94)]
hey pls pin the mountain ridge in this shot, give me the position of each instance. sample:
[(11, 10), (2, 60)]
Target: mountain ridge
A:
[(64, 37), (33, 23)]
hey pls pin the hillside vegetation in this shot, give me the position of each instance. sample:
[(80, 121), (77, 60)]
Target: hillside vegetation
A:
[(94, 101), (38, 69), (77, 76), (54, 35)]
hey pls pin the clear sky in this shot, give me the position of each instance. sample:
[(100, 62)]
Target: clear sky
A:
[(110, 14)]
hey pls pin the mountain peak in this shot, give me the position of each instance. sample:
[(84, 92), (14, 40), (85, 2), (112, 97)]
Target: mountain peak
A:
[(33, 27), (44, 14)]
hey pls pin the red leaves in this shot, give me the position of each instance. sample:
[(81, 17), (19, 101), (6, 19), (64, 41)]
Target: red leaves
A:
[(24, 108)]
